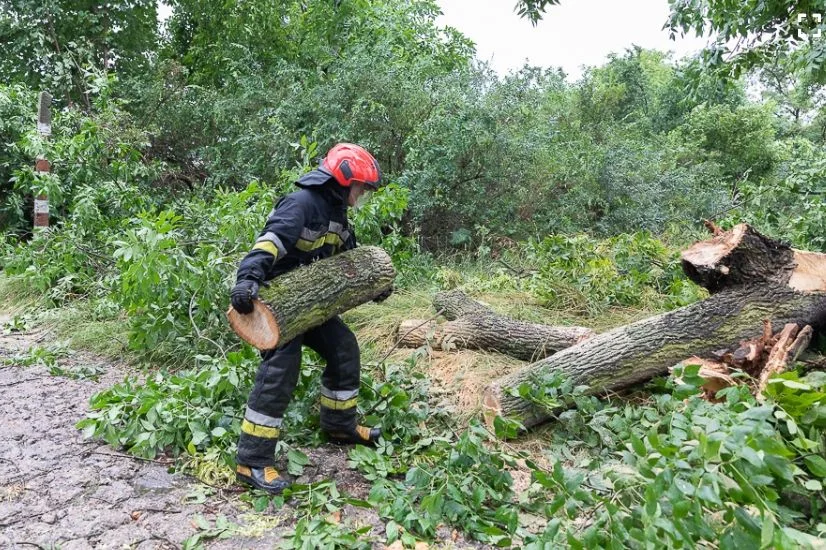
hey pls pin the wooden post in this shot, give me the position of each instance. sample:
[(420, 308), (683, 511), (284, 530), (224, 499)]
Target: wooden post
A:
[(42, 166)]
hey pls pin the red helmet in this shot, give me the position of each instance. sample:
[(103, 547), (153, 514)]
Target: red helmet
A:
[(349, 163)]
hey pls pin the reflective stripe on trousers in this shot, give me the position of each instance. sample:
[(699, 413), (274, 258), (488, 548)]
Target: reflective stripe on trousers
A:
[(276, 380)]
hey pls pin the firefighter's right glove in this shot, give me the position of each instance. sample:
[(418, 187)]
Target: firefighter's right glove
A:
[(243, 294)]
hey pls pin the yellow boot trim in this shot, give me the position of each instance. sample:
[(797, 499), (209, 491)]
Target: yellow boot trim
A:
[(364, 432), (259, 431), (243, 470), (270, 474), (338, 405)]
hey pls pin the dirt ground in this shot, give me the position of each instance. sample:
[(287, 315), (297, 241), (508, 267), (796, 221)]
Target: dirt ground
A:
[(58, 490)]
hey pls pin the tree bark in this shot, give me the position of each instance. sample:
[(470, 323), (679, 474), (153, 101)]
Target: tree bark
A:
[(308, 296), (472, 325), (751, 277)]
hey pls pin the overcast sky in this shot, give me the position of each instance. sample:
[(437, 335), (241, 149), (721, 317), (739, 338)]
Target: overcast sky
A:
[(575, 33)]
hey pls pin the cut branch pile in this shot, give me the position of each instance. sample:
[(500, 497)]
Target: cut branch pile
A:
[(472, 325)]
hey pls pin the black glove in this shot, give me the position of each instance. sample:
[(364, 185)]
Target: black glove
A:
[(243, 294), (384, 295)]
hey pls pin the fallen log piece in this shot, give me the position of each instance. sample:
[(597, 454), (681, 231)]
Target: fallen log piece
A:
[(306, 297), (475, 326), (751, 277)]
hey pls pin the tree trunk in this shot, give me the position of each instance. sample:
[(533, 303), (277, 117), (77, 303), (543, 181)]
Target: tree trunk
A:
[(752, 278), (308, 296), (475, 326)]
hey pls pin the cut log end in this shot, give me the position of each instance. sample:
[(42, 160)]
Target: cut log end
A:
[(710, 253), (491, 407), (414, 333), (258, 328), (810, 273)]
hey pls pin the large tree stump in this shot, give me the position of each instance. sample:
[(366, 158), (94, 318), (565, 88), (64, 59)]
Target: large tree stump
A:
[(472, 325), (308, 296), (751, 278)]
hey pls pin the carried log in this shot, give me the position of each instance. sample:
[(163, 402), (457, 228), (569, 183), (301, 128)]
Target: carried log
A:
[(473, 325), (751, 277), (308, 296)]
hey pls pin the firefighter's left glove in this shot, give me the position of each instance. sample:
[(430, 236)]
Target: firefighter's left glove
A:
[(383, 296), (243, 294)]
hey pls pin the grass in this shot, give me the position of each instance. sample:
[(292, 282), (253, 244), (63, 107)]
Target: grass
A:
[(17, 295), (80, 329), (84, 325)]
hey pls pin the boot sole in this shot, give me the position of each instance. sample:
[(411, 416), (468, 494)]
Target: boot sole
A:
[(343, 442), (251, 482)]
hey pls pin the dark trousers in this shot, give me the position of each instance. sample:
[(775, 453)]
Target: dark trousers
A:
[(276, 380)]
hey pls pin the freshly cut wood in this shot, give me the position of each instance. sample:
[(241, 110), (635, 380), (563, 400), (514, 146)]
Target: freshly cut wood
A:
[(786, 351), (715, 373), (758, 359), (751, 277), (474, 326), (308, 296)]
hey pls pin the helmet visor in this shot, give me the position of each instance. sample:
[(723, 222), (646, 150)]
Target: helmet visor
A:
[(364, 198)]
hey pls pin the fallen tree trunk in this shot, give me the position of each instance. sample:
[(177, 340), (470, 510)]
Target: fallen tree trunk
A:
[(751, 277), (475, 326), (308, 296)]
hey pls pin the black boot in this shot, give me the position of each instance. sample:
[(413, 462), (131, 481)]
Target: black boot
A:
[(266, 478), (361, 435)]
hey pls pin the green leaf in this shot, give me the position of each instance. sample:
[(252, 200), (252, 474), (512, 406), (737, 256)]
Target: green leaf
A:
[(260, 504), (767, 531), (795, 385), (638, 445), (296, 460), (752, 456), (391, 531), (816, 465), (813, 485), (198, 437)]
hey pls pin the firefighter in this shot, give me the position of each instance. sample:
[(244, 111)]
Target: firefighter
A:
[(306, 225)]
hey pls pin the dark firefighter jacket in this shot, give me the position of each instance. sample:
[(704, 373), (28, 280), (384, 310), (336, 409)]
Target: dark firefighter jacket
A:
[(306, 225)]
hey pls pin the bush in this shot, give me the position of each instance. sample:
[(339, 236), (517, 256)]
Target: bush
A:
[(790, 204)]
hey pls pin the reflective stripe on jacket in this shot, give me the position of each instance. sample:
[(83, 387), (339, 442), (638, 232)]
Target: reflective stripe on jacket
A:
[(306, 225)]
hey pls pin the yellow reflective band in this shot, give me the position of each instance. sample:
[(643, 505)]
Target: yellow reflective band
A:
[(266, 246), (338, 405), (259, 431), (270, 474), (330, 238)]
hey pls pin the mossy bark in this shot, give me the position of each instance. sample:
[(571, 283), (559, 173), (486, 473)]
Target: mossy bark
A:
[(308, 296)]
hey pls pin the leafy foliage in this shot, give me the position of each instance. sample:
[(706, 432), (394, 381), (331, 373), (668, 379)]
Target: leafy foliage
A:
[(791, 203), (58, 46), (750, 35)]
